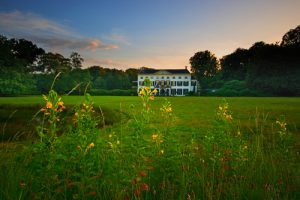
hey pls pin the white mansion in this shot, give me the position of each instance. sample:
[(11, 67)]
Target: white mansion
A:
[(168, 82)]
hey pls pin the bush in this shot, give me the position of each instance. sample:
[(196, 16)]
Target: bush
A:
[(114, 92)]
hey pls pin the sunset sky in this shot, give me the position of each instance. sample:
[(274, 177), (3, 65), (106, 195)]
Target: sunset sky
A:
[(152, 33)]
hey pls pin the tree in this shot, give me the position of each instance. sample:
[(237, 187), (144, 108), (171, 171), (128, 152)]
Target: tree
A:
[(204, 64), (76, 60), (53, 63), (234, 66), (292, 37)]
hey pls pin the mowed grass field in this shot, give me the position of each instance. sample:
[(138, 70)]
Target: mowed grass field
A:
[(190, 112)]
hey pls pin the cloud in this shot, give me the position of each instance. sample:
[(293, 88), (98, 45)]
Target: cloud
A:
[(47, 33), (116, 37)]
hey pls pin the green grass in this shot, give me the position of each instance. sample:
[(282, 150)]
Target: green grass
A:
[(152, 154), (191, 112)]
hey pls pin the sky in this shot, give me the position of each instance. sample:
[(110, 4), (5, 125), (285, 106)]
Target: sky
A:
[(151, 33)]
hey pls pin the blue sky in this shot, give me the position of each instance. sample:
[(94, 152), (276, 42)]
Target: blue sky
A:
[(157, 33)]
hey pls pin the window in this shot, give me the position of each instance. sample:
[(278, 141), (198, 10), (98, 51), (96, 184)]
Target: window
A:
[(185, 83), (173, 77), (179, 83), (186, 77), (141, 83), (179, 77), (173, 83), (179, 91), (168, 83), (162, 77), (157, 83), (141, 77), (168, 77), (185, 91), (146, 76), (173, 92), (151, 77), (157, 77)]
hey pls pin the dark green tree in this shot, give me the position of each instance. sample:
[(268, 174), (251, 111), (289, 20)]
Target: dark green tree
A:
[(76, 60), (52, 63), (292, 37), (234, 66), (204, 66)]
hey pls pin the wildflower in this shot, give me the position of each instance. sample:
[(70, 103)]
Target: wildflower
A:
[(92, 145), (55, 110), (143, 173), (49, 105), (43, 110), (154, 91), (22, 184), (137, 192), (146, 159), (150, 167), (154, 136), (169, 109), (142, 92), (144, 187), (110, 135), (162, 151), (110, 145), (147, 89), (78, 147), (152, 97), (118, 142), (60, 103)]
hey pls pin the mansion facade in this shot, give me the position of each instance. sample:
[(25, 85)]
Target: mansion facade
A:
[(168, 82)]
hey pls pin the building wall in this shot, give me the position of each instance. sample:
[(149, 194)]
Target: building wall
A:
[(168, 84)]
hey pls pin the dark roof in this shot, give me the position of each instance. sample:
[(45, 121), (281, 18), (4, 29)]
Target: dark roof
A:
[(172, 71)]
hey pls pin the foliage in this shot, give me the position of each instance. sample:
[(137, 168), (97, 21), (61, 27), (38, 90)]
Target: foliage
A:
[(15, 83), (292, 37), (204, 64)]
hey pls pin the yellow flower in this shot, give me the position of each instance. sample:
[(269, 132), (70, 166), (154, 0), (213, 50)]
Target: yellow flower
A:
[(154, 91), (48, 104), (142, 92), (162, 151), (169, 109), (147, 89), (154, 136), (110, 135), (118, 142), (92, 145), (110, 145), (220, 108)]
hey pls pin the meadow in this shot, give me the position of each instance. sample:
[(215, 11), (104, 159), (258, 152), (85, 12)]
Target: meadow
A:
[(139, 148)]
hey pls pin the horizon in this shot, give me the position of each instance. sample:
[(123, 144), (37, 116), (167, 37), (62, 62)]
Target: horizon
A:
[(136, 34)]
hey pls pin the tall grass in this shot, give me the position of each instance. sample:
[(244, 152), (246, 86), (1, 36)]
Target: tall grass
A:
[(143, 158)]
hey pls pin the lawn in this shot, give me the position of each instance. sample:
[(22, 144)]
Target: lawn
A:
[(191, 112), (169, 148)]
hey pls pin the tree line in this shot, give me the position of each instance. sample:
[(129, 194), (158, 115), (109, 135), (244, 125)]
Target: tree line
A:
[(262, 70), (27, 69)]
